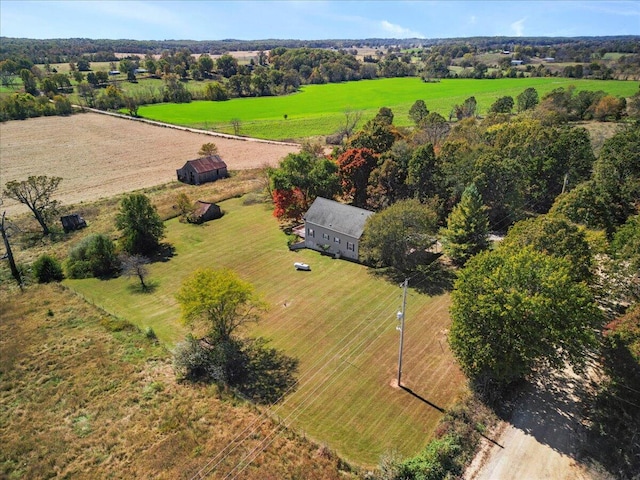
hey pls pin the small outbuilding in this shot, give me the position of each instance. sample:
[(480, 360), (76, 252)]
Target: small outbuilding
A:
[(204, 211), (72, 222), (203, 170)]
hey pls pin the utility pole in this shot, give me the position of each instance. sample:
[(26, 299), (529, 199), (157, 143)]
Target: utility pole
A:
[(401, 316)]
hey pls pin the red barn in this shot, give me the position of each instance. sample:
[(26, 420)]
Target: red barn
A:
[(203, 170)]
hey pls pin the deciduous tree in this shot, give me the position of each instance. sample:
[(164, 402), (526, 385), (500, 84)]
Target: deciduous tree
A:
[(354, 167), (36, 193), (527, 99), (135, 266), (502, 105), (514, 311), (399, 235), (375, 135), (215, 91), (4, 231), (227, 65), (93, 256), (208, 149), (626, 242), (555, 236), (418, 112), (47, 269), (299, 179), (422, 172), (218, 303), (205, 65), (140, 224)]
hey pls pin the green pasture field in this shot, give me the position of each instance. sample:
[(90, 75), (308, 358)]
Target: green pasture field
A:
[(338, 319), (319, 109), (614, 55)]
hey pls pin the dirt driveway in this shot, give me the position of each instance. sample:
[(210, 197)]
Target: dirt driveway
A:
[(100, 156), (542, 438)]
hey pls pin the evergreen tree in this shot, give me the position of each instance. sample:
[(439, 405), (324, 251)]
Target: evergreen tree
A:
[(467, 227)]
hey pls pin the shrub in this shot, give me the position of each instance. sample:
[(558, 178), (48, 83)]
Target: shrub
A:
[(192, 361), (114, 324), (94, 256), (150, 334), (47, 269), (438, 460), (334, 139)]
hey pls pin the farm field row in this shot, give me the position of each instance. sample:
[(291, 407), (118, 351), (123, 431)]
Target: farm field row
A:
[(337, 319), (319, 109), (99, 156)]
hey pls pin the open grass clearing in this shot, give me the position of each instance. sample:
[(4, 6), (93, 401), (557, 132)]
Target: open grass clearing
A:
[(338, 319), (319, 109), (82, 399)]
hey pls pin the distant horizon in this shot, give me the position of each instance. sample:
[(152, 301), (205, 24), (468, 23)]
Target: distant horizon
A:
[(317, 39), (305, 20)]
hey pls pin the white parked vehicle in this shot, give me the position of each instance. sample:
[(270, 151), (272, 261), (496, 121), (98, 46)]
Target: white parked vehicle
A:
[(301, 266)]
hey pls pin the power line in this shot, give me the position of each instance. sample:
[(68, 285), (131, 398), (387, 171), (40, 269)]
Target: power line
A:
[(301, 407), (255, 452), (298, 384), (312, 368)]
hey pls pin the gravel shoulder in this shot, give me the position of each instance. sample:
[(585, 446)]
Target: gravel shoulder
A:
[(543, 437), (100, 156)]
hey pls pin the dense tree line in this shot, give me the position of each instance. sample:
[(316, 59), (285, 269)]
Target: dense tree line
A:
[(64, 50), (519, 165), (279, 69)]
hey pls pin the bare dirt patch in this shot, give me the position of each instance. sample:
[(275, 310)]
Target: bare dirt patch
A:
[(100, 156), (543, 437)]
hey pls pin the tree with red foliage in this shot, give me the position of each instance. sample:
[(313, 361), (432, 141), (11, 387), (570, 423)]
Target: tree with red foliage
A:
[(354, 167), (299, 179), (289, 204)]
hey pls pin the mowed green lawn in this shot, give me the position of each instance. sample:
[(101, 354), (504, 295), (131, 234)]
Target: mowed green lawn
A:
[(338, 319), (319, 109)]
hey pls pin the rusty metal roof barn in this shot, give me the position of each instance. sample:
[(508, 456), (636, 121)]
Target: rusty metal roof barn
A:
[(206, 164)]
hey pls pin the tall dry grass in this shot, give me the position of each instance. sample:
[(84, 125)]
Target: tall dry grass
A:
[(87, 396)]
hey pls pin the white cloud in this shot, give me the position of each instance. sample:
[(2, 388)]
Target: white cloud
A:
[(399, 31), (472, 20), (518, 27)]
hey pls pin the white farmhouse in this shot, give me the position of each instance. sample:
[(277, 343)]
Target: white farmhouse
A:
[(334, 228)]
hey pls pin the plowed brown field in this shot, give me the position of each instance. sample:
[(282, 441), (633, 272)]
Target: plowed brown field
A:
[(100, 156)]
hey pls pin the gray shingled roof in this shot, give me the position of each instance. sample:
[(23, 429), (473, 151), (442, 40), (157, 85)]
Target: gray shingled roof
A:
[(338, 217)]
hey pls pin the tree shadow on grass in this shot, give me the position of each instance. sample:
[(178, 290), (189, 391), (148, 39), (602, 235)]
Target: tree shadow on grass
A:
[(270, 373), (164, 253), (262, 374), (137, 288), (433, 278)]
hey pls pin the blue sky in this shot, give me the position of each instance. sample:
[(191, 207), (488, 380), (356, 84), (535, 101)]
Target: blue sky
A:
[(314, 19)]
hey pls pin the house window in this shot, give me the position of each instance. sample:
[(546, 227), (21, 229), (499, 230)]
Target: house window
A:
[(326, 236), (311, 232), (336, 240), (351, 246)]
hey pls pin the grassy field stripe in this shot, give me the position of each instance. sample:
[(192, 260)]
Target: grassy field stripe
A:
[(407, 362), (252, 455), (311, 369)]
